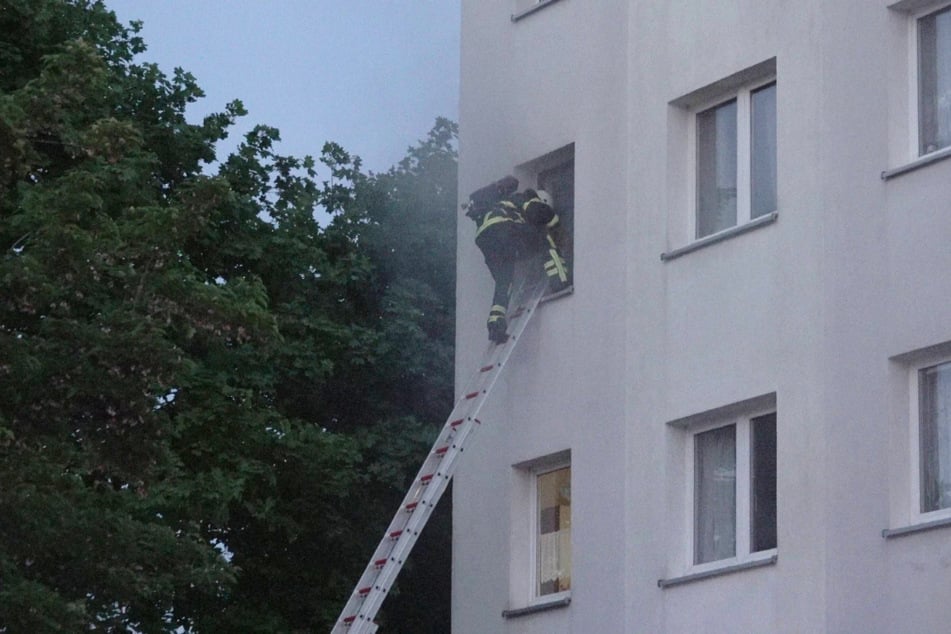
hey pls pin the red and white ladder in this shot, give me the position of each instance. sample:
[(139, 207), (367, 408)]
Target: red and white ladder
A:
[(436, 472)]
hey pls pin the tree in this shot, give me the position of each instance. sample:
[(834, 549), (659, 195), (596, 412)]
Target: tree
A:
[(209, 403)]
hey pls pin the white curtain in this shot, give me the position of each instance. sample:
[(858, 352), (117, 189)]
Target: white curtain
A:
[(715, 494), (935, 437)]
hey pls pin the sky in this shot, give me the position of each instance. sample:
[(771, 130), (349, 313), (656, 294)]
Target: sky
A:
[(370, 75)]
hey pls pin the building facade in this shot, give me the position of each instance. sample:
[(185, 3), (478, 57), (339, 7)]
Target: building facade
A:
[(740, 419)]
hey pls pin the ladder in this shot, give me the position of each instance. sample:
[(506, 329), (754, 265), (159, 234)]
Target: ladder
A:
[(437, 470)]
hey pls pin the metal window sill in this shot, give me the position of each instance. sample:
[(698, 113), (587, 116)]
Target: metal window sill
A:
[(538, 6), (717, 572), (890, 533), (726, 234), (562, 293), (924, 161), (543, 606)]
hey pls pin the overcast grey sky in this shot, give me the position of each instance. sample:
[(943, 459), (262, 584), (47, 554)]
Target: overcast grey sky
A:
[(371, 75)]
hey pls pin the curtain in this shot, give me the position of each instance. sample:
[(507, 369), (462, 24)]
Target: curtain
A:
[(934, 81), (935, 437), (716, 169), (715, 494)]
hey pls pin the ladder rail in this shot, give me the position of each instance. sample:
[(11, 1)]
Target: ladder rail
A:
[(436, 472)]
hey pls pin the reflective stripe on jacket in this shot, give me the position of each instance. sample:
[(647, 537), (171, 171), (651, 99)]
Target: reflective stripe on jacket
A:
[(505, 211)]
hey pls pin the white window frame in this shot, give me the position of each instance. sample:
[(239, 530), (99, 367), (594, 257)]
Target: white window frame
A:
[(523, 546), (536, 473), (917, 516), (743, 97), (743, 518), (914, 104)]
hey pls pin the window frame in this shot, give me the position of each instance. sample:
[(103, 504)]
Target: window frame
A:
[(743, 520), (914, 84), (742, 95), (524, 598), (916, 515)]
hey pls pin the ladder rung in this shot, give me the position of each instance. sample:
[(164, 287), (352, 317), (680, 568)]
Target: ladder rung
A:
[(487, 368), (442, 451), (411, 507), (350, 619), (471, 395), (364, 591), (396, 534), (379, 563), (456, 423), (426, 479)]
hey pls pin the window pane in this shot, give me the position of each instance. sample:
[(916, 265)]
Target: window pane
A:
[(934, 398), (715, 494), (763, 483), (554, 531), (716, 169), (763, 151), (934, 81)]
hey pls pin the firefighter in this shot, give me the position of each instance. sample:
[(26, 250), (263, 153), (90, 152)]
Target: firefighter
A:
[(513, 226)]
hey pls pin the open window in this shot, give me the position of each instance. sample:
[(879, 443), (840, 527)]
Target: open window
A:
[(555, 173)]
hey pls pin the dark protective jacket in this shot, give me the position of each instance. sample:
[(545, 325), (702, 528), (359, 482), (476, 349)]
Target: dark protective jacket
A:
[(524, 208)]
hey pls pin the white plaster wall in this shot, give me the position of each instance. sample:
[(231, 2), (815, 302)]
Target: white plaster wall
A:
[(822, 307), (564, 385), (726, 323)]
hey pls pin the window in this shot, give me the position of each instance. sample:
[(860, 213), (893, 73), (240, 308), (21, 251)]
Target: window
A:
[(733, 489), (553, 531), (722, 165), (934, 80), (540, 547), (555, 173), (735, 160), (932, 391)]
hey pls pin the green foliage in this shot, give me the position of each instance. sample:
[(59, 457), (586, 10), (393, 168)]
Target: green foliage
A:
[(209, 404)]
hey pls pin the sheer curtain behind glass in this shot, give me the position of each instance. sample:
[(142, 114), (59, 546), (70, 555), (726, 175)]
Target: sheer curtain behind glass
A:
[(716, 169), (715, 494), (554, 531), (934, 394), (934, 81)]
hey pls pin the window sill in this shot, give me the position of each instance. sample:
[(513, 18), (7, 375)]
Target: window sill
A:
[(924, 161), (562, 601), (538, 6), (562, 293), (890, 533), (717, 572), (726, 234)]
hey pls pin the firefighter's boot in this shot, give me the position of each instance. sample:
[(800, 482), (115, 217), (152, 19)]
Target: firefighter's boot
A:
[(497, 325)]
